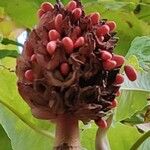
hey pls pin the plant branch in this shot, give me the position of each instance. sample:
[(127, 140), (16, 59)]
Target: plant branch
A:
[(140, 141), (67, 133), (101, 142)]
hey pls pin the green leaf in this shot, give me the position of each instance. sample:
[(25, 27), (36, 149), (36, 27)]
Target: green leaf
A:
[(133, 96), (7, 41), (4, 140), (15, 116), (140, 47), (88, 137), (132, 60), (145, 145), (22, 12), (122, 137), (142, 11), (8, 53)]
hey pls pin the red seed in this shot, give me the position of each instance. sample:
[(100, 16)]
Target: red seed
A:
[(114, 103), (29, 75), (68, 44), (119, 79), (79, 42), (105, 55), (64, 69), (53, 35), (109, 64), (41, 60), (33, 58), (119, 60), (58, 22), (77, 13), (71, 5), (103, 30), (130, 72), (95, 17), (46, 6), (101, 123), (40, 13), (51, 47), (112, 25), (101, 38)]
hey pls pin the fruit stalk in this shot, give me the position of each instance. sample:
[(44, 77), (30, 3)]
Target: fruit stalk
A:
[(67, 133)]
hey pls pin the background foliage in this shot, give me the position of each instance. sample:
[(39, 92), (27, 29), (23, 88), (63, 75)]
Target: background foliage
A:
[(20, 130)]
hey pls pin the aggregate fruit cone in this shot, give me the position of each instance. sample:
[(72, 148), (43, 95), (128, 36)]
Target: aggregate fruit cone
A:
[(68, 65)]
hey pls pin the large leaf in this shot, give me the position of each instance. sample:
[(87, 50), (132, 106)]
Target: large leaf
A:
[(134, 94), (4, 140), (140, 47), (121, 137), (23, 130)]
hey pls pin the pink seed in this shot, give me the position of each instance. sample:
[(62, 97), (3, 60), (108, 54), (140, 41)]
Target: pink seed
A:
[(101, 123), (112, 25), (64, 69), (119, 79), (95, 17), (51, 47), (119, 60), (103, 30), (101, 38), (40, 13), (105, 55), (109, 64), (77, 13), (130, 72), (29, 75), (114, 103), (79, 42), (71, 5), (46, 6), (58, 22), (33, 58), (68, 44), (53, 35)]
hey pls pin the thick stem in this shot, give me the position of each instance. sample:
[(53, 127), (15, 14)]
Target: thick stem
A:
[(67, 134)]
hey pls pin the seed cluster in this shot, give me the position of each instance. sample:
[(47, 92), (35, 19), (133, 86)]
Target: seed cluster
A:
[(68, 64)]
